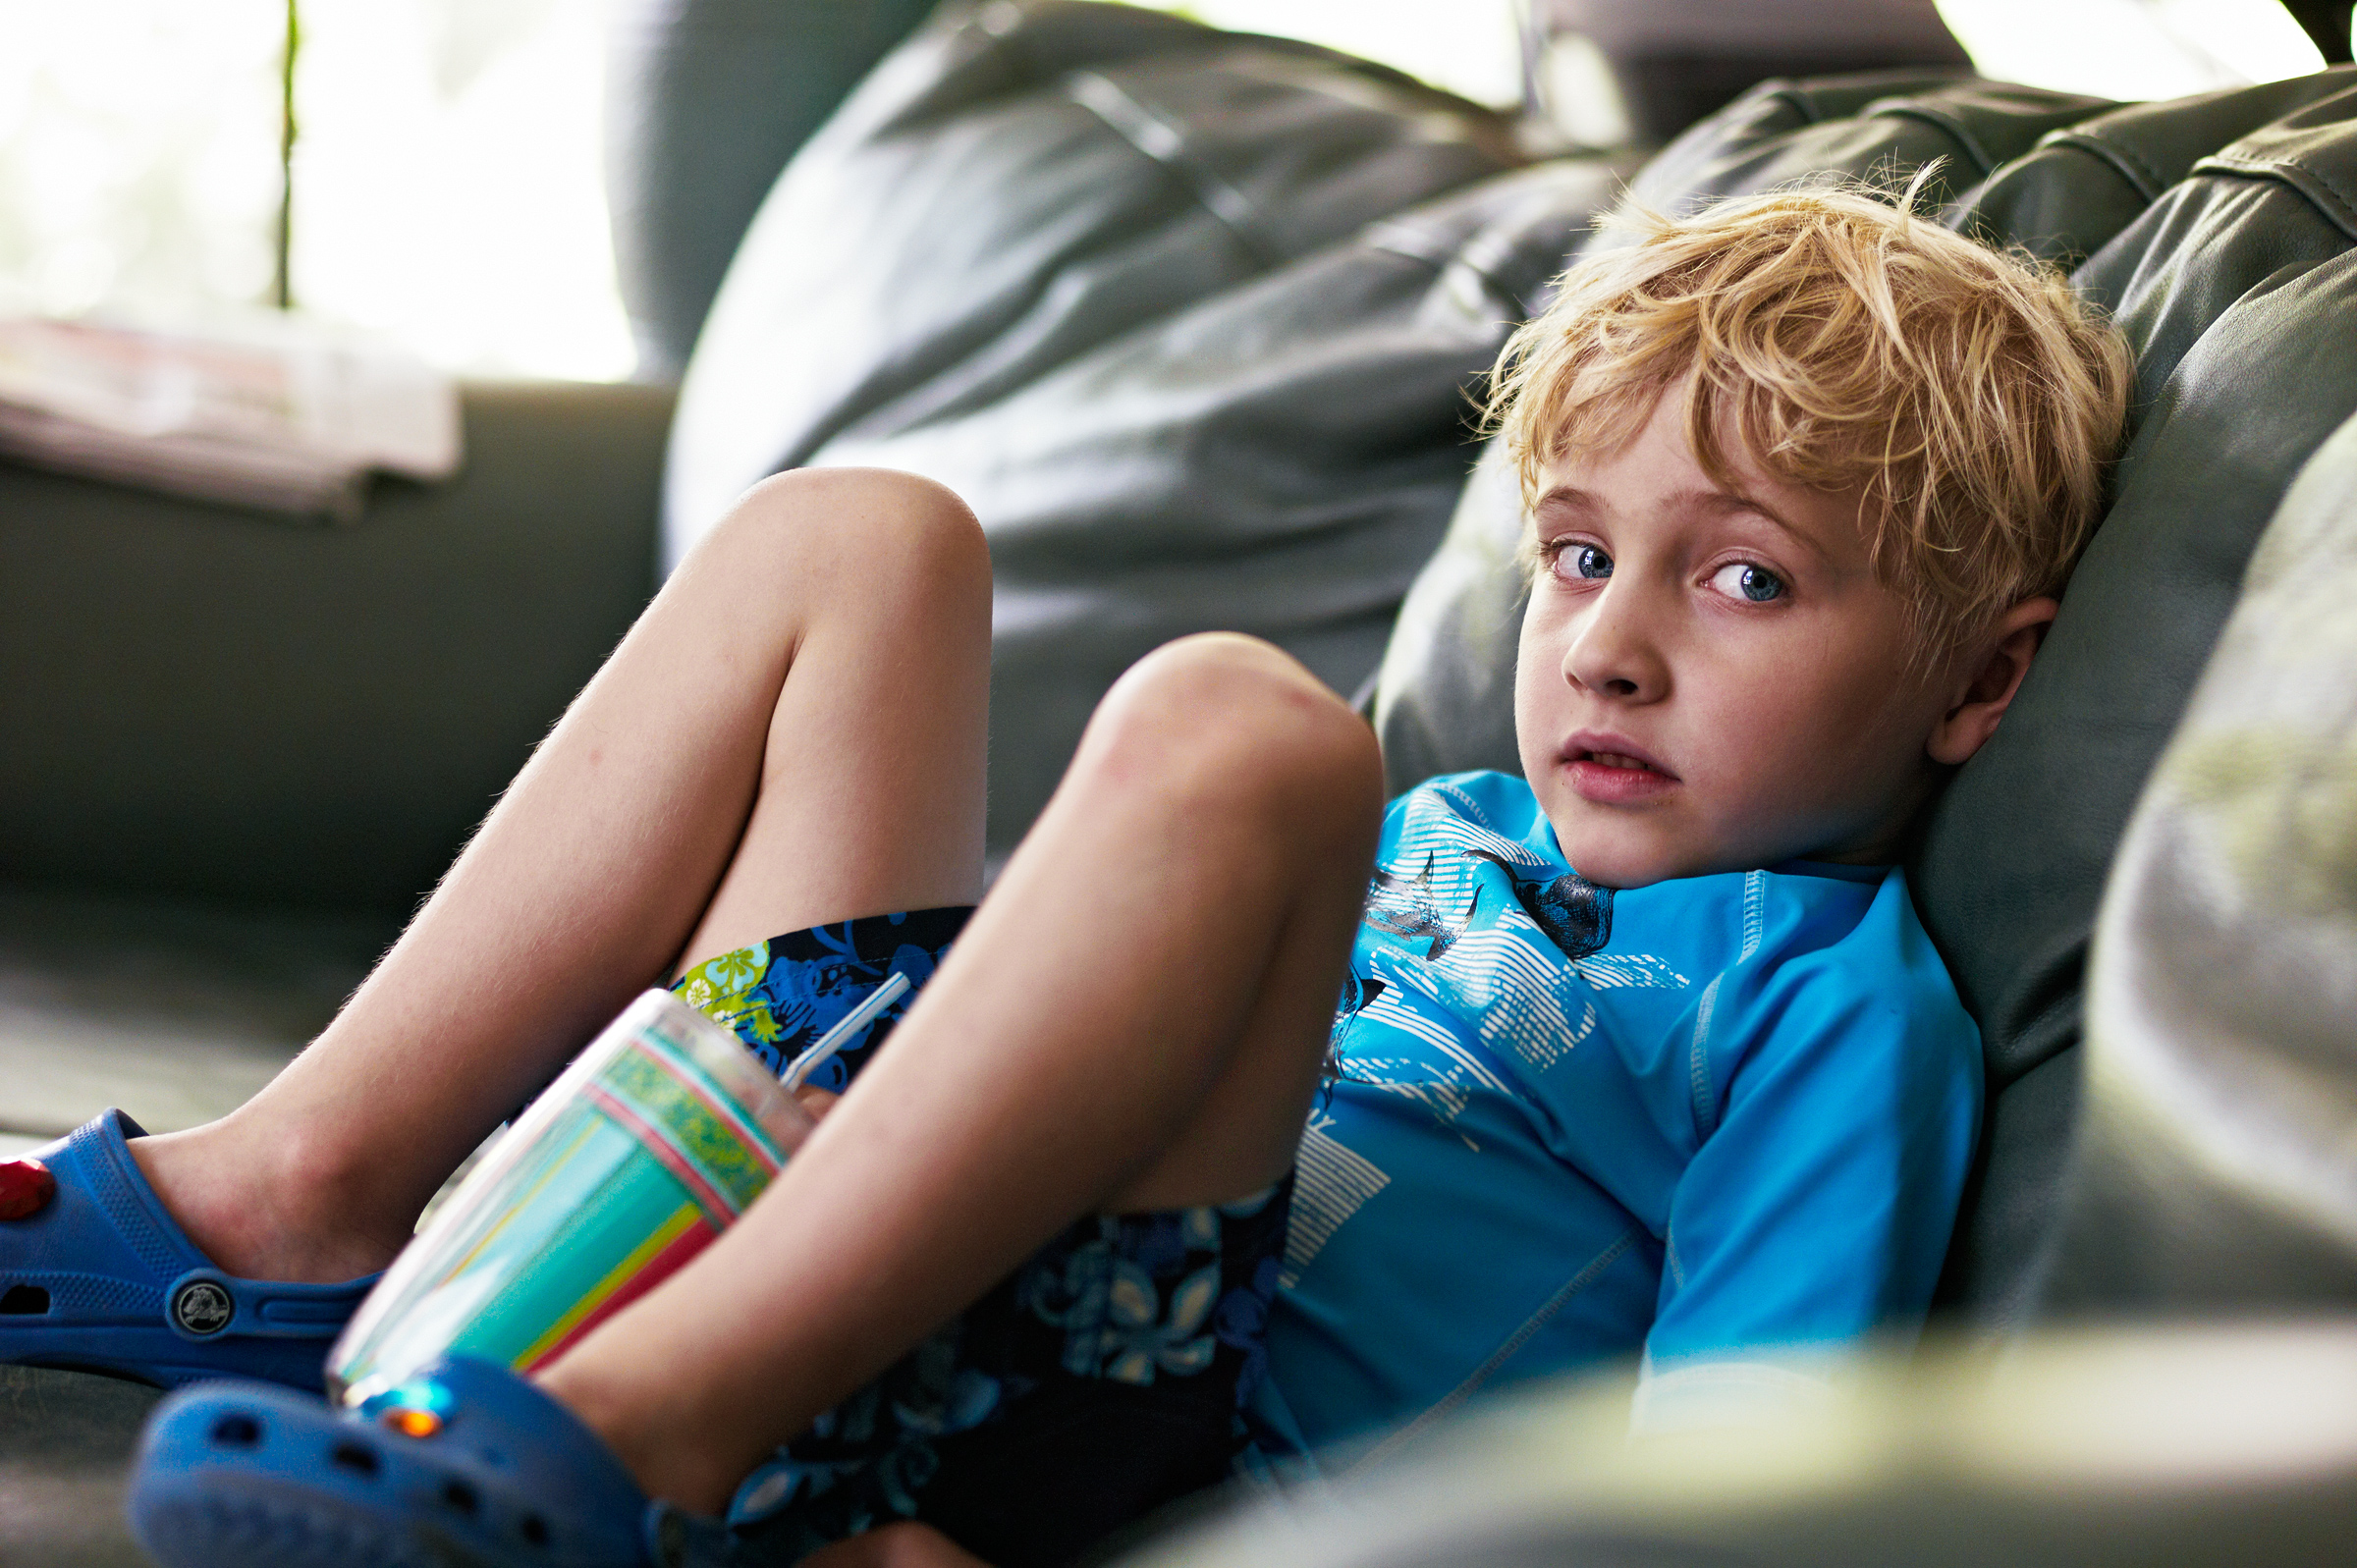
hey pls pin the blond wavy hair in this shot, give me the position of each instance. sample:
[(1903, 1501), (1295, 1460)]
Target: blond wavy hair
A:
[(1843, 340)]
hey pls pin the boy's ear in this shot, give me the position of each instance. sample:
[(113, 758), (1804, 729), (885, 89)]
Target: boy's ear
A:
[(1987, 687)]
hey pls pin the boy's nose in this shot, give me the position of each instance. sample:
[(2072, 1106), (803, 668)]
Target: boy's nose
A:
[(1610, 654)]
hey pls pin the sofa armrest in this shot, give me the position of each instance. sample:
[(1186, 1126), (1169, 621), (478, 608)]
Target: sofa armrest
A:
[(203, 700)]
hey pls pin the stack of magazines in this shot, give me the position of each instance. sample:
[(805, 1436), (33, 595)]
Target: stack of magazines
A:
[(282, 417)]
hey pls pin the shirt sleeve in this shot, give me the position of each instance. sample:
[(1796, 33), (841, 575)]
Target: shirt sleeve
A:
[(1819, 1202)]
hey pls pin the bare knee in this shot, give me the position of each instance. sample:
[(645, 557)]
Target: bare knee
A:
[(853, 540), (1239, 728)]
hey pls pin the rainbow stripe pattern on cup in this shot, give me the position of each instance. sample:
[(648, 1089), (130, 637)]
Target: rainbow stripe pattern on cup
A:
[(648, 1147)]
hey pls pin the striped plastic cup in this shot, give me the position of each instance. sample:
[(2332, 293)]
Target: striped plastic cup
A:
[(649, 1144)]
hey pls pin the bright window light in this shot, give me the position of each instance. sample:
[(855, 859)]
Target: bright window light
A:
[(448, 182), (138, 153), (2133, 49), (1474, 50)]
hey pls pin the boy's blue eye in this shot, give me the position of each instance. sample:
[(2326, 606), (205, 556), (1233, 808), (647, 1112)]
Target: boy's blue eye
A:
[(1589, 561), (1743, 580)]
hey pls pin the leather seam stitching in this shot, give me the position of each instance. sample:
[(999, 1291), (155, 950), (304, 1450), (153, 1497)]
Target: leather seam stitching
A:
[(2149, 186), (1398, 239), (2348, 205), (2345, 219), (1966, 142), (1791, 94), (1131, 120)]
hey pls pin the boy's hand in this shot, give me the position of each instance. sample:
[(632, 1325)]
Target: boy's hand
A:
[(817, 1102), (905, 1546)]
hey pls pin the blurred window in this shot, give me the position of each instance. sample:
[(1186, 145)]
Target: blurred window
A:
[(2132, 48), (138, 152), (2111, 48), (448, 182), (1470, 47), (448, 185)]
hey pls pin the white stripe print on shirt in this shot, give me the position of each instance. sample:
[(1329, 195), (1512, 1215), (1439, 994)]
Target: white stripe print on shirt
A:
[(1331, 1183)]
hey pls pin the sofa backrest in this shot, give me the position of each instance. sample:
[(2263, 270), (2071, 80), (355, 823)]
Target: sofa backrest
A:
[(2221, 231), (2212, 1175), (705, 103), (1189, 318)]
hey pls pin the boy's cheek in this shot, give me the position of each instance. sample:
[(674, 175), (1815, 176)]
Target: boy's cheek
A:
[(1541, 697)]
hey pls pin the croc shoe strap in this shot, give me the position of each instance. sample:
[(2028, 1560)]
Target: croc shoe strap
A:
[(102, 1276)]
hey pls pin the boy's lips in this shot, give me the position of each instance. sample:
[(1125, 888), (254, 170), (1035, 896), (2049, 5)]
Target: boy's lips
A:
[(1611, 770)]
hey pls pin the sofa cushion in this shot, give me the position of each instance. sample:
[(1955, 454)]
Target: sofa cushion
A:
[(1187, 318), (176, 1010), (2213, 1173), (203, 701), (2218, 231), (2238, 287)]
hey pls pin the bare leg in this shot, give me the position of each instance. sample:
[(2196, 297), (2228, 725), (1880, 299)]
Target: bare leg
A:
[(1135, 1020), (793, 732)]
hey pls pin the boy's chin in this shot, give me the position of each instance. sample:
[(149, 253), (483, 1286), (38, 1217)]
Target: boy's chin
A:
[(1617, 865), (1626, 850), (1619, 856), (1619, 880)]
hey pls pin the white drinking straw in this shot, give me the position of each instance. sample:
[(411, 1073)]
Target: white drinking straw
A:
[(858, 1018)]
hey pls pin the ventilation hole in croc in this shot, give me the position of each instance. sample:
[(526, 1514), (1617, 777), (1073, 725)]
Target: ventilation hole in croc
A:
[(358, 1458), (459, 1496), (25, 1301), (236, 1431), (535, 1529)]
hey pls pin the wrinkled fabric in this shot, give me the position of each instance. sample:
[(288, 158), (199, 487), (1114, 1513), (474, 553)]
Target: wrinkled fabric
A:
[(1715, 1119)]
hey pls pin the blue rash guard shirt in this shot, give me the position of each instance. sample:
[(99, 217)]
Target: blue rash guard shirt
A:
[(1716, 1120)]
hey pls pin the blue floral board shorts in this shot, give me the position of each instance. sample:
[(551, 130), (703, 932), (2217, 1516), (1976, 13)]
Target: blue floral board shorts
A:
[(1097, 1383)]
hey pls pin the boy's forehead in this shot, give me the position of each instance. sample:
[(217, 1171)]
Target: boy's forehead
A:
[(1656, 473)]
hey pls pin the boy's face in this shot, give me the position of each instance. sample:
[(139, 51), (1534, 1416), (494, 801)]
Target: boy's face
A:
[(1712, 679)]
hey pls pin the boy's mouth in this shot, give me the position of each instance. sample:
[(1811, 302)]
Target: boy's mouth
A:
[(1609, 776)]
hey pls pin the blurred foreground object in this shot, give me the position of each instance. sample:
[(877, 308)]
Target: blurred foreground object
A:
[(2178, 1448), (284, 419), (2216, 1166)]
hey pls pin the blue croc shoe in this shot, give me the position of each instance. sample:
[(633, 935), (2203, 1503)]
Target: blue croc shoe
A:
[(466, 1463), (100, 1278)]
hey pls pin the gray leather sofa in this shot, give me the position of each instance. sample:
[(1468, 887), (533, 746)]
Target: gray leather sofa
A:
[(1191, 318)]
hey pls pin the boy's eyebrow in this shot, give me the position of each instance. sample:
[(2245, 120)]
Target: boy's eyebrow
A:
[(1728, 501), (1571, 499), (1563, 498)]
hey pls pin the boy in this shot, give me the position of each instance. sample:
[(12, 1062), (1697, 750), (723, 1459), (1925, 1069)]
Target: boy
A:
[(1804, 474)]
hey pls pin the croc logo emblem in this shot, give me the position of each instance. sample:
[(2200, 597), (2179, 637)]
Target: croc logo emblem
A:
[(201, 1307)]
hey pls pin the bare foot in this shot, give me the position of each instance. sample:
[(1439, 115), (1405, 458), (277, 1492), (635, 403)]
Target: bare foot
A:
[(261, 1208)]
